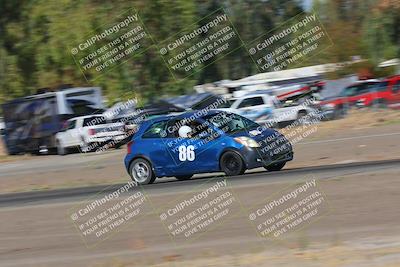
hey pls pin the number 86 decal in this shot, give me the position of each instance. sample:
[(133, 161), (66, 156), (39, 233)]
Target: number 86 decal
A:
[(186, 153)]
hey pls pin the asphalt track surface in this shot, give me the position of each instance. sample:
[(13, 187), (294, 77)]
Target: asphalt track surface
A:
[(171, 185), (37, 231)]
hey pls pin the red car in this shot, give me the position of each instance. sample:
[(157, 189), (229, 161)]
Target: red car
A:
[(363, 94)]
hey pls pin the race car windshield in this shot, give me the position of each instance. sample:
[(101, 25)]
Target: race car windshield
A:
[(231, 123)]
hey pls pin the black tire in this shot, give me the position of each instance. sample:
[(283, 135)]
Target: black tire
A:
[(232, 164), (339, 113), (300, 116), (184, 177), (275, 167), (89, 147), (83, 147), (35, 152), (60, 149), (141, 171)]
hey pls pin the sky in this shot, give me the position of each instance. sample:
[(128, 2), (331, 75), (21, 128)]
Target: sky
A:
[(307, 4)]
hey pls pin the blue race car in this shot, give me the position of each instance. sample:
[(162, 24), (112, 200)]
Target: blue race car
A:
[(202, 142)]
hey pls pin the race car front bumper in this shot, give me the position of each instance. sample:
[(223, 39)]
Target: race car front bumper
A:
[(259, 157)]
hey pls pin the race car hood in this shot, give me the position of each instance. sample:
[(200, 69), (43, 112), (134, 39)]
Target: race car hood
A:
[(257, 134)]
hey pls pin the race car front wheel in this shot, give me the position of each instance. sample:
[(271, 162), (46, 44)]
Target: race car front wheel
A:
[(232, 164), (141, 172)]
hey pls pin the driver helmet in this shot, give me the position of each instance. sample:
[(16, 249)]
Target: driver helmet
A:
[(184, 131)]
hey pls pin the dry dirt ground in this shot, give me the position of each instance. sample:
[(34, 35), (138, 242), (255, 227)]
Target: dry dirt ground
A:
[(364, 135)]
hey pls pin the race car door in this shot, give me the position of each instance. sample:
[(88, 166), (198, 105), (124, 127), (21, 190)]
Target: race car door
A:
[(195, 152)]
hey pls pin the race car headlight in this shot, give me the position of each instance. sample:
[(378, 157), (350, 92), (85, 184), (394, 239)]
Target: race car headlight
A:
[(247, 141)]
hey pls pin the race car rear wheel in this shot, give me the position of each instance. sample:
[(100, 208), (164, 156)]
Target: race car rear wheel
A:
[(232, 164), (183, 177), (275, 167), (141, 171)]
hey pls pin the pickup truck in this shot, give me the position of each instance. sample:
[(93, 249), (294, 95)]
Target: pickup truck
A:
[(264, 108), (89, 133)]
